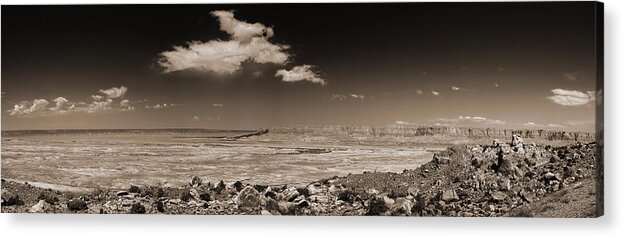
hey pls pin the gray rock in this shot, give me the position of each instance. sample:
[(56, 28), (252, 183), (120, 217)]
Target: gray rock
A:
[(271, 205), (413, 191), (505, 165), (248, 197), (498, 196), (289, 194), (10, 199), (76, 205), (401, 206), (517, 140), (441, 159), (40, 207), (195, 181), (449, 196), (194, 194), (287, 208), (549, 176), (122, 193)]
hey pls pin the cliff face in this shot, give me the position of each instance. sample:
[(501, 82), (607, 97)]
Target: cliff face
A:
[(413, 131)]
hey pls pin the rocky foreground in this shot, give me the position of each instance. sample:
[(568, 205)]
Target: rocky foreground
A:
[(501, 179)]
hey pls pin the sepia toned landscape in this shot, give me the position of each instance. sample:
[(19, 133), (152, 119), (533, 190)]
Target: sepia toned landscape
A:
[(411, 109), (401, 170)]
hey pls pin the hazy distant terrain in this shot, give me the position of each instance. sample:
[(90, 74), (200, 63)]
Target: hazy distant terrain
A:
[(117, 158)]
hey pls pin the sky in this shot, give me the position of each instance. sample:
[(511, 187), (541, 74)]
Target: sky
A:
[(240, 66)]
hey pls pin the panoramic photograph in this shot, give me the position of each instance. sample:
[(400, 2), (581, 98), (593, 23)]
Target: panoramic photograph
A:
[(359, 109)]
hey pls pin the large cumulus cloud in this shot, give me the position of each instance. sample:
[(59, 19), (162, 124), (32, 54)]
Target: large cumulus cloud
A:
[(247, 42)]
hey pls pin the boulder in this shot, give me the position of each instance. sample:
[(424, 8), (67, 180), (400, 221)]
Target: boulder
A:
[(438, 159), (40, 207), (312, 189), (134, 189), (498, 196), (195, 182), (248, 197), (517, 140), (449, 195), (76, 205), (137, 208), (413, 191), (287, 208), (527, 196), (505, 148), (288, 194), (271, 205), (238, 186), (319, 199), (194, 194), (505, 165), (10, 199), (549, 176), (401, 207)]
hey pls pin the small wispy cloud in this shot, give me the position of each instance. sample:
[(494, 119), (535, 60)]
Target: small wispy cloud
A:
[(340, 97), (467, 121), (537, 125), (300, 73), (435, 93), (572, 76), (114, 92), (217, 105), (162, 106)]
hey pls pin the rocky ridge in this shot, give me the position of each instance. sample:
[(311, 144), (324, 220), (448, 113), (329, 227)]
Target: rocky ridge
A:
[(418, 131)]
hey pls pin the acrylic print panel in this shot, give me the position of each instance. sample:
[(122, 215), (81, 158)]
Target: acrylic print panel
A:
[(411, 109)]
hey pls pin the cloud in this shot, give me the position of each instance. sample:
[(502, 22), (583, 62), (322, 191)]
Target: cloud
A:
[(358, 96), (98, 106), (38, 105), (19, 109), (97, 97), (196, 118), (60, 101), (101, 102), (340, 97), (300, 73), (114, 92), (419, 92), (162, 106), (571, 97), (572, 76), (536, 125), (217, 105), (125, 105), (249, 42), (468, 121), (455, 88), (240, 30), (435, 93)]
